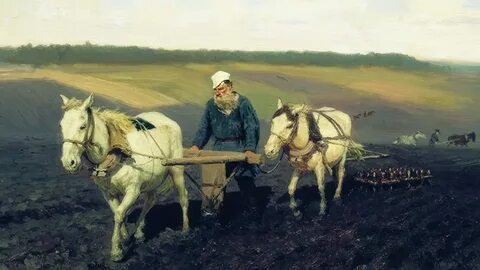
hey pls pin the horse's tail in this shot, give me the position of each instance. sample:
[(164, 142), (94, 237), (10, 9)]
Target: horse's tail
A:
[(165, 186), (355, 150), (473, 136)]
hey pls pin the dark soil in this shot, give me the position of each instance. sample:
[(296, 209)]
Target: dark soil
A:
[(50, 220)]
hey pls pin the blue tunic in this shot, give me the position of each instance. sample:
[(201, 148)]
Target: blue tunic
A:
[(239, 131)]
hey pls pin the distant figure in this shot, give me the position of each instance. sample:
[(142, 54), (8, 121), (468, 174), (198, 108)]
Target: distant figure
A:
[(461, 139), (434, 138), (410, 139)]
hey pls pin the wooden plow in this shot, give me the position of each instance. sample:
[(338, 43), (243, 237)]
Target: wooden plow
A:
[(213, 171), (211, 157)]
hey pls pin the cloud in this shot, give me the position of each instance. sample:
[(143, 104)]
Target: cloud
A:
[(446, 29), (473, 4)]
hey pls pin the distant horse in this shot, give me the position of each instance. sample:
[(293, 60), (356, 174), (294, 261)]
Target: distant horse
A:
[(301, 131), (410, 139), (461, 139), (89, 132)]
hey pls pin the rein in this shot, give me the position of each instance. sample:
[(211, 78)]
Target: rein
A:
[(274, 167)]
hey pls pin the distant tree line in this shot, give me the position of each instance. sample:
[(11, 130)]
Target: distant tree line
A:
[(6, 53), (88, 53)]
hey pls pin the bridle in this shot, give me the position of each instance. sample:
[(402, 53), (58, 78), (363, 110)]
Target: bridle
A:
[(87, 139), (294, 125)]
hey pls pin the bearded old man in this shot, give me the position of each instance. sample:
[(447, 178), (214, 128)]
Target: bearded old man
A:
[(231, 121)]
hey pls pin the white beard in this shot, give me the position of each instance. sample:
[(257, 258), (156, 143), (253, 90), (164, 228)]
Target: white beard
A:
[(227, 102)]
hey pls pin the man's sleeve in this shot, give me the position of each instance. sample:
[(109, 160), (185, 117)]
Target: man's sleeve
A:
[(251, 126), (204, 130)]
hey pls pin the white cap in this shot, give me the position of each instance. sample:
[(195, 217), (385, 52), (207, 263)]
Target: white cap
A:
[(219, 77)]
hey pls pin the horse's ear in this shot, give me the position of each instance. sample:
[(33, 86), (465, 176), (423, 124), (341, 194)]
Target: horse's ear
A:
[(64, 99), (279, 104), (88, 102), (299, 108)]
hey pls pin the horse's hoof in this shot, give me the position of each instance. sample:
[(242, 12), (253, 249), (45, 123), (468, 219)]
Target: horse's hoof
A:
[(117, 257), (297, 215), (140, 237), (323, 211), (185, 230)]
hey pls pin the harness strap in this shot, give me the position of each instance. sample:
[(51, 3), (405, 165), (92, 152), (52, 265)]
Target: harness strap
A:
[(301, 152), (335, 124)]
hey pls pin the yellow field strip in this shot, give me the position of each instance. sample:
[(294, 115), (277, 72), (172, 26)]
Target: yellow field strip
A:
[(130, 95)]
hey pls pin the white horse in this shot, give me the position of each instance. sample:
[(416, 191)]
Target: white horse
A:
[(87, 131), (290, 129), (410, 139)]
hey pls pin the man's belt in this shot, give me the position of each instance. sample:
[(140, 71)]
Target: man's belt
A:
[(228, 140)]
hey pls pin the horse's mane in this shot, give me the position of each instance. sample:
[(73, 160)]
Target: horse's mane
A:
[(120, 121), (314, 130), (288, 112)]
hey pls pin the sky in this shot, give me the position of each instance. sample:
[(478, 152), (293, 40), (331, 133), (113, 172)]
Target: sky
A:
[(427, 29)]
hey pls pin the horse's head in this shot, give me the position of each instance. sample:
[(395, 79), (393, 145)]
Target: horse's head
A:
[(284, 127), (77, 131), (419, 135), (472, 136)]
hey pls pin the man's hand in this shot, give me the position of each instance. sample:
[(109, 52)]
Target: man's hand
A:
[(194, 149), (251, 157)]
